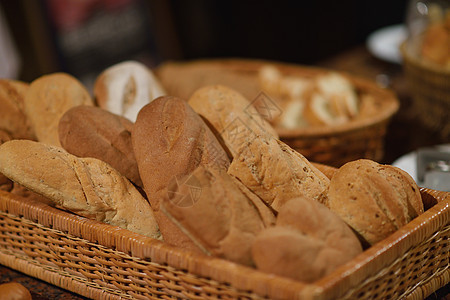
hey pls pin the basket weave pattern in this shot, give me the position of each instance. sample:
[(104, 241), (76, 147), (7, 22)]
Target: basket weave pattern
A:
[(105, 262)]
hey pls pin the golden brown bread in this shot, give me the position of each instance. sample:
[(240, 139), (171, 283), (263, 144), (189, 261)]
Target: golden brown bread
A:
[(14, 291), (170, 140), (374, 199), (213, 211), (48, 98), (89, 131), (126, 87), (307, 243), (277, 173), (86, 186), (13, 119), (231, 115)]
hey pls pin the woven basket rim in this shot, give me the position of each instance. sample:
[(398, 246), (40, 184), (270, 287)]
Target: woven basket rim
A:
[(388, 97), (240, 277)]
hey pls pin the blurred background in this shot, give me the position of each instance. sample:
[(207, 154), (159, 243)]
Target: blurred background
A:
[(84, 36)]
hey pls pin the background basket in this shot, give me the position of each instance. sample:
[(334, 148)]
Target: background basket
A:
[(100, 261), (330, 145), (430, 89)]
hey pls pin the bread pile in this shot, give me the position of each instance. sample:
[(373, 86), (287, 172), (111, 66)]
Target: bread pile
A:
[(327, 99), (207, 173)]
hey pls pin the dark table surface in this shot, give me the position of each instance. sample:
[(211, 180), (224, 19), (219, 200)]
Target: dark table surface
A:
[(400, 139)]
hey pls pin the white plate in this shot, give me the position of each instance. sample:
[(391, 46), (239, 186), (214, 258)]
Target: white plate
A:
[(385, 42)]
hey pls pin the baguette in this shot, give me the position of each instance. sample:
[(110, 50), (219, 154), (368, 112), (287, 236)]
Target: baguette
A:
[(170, 140), (85, 186)]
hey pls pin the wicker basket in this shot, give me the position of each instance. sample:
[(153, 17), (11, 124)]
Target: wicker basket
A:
[(430, 90), (334, 146), (100, 261)]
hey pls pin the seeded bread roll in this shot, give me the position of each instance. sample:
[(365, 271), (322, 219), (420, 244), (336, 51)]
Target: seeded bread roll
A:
[(214, 212), (277, 173), (307, 243), (48, 98), (125, 88), (89, 131), (86, 186), (231, 115), (13, 120), (170, 140), (374, 199)]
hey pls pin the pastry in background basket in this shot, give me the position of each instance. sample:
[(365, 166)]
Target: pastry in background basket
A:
[(89, 131), (13, 120), (48, 98), (125, 88), (307, 243), (85, 186), (171, 140), (326, 99), (218, 214), (435, 46), (375, 200)]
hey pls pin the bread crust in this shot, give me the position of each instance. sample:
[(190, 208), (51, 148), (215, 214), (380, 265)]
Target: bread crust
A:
[(277, 173), (307, 243), (86, 186), (13, 119), (222, 219), (48, 98), (88, 131), (171, 140), (374, 199)]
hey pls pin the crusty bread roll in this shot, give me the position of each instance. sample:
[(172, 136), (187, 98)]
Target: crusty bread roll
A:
[(126, 87), (277, 173), (14, 291), (86, 186), (13, 120), (89, 131), (307, 243), (232, 116), (374, 199), (169, 140), (48, 98), (213, 211)]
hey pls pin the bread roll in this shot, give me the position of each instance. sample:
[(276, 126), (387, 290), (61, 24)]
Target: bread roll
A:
[(374, 199), (89, 131), (125, 88), (307, 243), (221, 219), (86, 186), (171, 140), (232, 116), (277, 173), (48, 98), (14, 291), (13, 120)]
